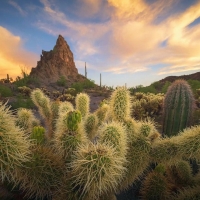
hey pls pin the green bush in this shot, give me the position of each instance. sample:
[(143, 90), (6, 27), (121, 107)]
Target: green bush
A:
[(62, 81), (5, 91), (22, 102), (26, 80), (165, 87), (88, 84), (77, 86)]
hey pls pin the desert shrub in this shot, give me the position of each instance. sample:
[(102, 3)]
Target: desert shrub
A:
[(88, 84), (77, 86), (26, 80), (62, 81), (146, 105), (5, 91), (165, 87), (22, 102)]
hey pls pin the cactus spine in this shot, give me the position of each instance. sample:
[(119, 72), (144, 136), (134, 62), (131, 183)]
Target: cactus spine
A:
[(178, 108)]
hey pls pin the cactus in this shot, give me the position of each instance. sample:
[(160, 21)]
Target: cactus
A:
[(189, 193), (73, 119), (155, 187), (120, 104), (26, 119), (80, 169), (40, 176), (178, 108), (180, 174), (69, 134), (38, 134), (102, 113), (97, 169), (82, 104), (90, 125), (14, 144), (44, 106), (114, 135)]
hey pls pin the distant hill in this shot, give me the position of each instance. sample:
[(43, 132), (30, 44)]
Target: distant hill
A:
[(195, 76)]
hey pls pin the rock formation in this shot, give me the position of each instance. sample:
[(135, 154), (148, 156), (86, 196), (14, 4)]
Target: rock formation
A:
[(56, 63)]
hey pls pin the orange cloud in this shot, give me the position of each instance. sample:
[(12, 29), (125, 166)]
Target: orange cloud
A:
[(13, 55)]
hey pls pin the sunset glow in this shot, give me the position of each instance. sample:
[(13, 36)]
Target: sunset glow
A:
[(127, 41)]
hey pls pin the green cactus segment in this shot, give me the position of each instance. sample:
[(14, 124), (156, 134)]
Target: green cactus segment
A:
[(43, 103), (69, 134), (41, 176), (155, 187), (138, 159), (102, 113), (82, 103), (26, 119), (55, 112), (97, 169), (38, 134), (114, 134), (180, 174), (65, 107), (14, 144), (171, 150), (120, 104), (90, 124), (178, 108), (73, 119)]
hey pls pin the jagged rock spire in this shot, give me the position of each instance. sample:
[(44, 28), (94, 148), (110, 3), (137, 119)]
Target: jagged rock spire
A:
[(55, 63)]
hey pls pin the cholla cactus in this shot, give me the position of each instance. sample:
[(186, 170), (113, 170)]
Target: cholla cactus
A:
[(69, 134), (44, 106), (14, 144), (40, 176), (120, 104), (81, 169), (90, 124), (82, 104), (26, 119), (102, 113), (113, 134), (38, 134), (97, 169), (155, 187)]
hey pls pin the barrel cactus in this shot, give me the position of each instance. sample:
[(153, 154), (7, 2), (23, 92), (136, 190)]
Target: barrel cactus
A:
[(178, 108)]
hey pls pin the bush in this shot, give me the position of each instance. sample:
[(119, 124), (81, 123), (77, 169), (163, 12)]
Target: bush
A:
[(62, 81), (23, 103), (88, 84), (5, 91), (77, 86)]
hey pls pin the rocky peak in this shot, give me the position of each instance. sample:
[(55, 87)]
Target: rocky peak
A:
[(55, 63)]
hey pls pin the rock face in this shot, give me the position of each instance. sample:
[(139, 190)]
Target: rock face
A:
[(56, 63)]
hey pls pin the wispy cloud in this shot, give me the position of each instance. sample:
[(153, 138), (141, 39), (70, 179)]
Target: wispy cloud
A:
[(12, 55), (130, 34), (16, 6)]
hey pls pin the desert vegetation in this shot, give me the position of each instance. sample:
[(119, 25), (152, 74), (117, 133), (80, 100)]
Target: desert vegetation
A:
[(55, 148)]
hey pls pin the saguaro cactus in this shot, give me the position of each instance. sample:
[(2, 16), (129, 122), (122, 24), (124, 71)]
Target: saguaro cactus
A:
[(178, 108)]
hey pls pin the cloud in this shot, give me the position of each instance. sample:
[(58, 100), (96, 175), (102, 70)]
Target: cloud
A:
[(130, 39), (16, 6), (13, 55)]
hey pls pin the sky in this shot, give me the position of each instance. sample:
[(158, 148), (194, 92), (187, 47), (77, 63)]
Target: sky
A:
[(132, 42)]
